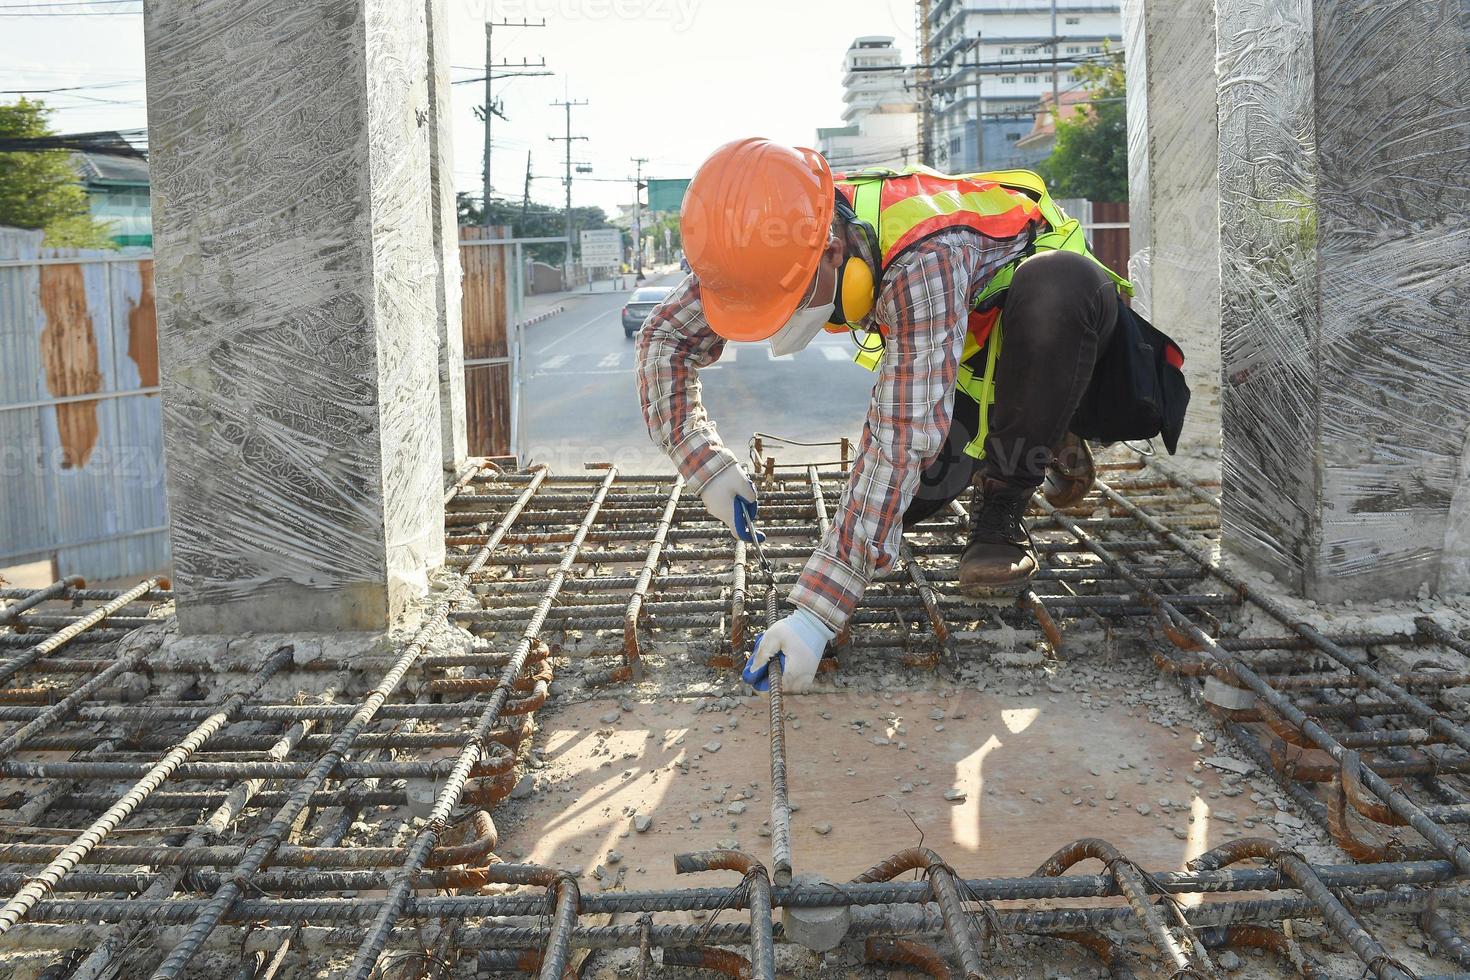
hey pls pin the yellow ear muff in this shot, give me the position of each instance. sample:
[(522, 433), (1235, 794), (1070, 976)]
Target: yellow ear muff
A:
[(857, 290)]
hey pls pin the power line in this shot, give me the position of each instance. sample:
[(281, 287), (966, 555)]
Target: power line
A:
[(65, 3), (66, 88), (5, 11)]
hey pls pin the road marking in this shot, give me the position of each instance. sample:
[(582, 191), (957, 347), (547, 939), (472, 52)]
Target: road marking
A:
[(834, 353), (552, 363), (610, 360), (575, 330), (778, 357), (598, 371)]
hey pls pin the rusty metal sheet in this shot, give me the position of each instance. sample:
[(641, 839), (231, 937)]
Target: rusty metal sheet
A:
[(80, 478)]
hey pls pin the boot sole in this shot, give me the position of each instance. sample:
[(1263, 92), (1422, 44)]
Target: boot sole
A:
[(978, 589)]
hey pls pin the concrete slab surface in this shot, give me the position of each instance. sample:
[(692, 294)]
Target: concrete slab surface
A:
[(1035, 773)]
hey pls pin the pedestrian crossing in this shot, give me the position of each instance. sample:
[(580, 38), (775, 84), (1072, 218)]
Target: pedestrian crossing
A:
[(616, 362)]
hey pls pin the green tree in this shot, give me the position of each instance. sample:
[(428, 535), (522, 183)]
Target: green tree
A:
[(656, 229), (1090, 157), (40, 188), (537, 221)]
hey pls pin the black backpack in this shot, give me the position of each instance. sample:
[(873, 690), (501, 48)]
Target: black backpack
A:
[(1138, 389)]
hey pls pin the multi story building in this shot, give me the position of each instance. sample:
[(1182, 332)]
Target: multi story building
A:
[(880, 109), (999, 54)]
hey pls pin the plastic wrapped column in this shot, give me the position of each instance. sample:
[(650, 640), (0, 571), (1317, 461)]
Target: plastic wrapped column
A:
[(454, 437), (1173, 191), (1345, 262), (296, 283)]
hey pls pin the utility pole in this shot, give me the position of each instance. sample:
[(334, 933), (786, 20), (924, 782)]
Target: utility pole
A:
[(526, 195), (638, 220), (979, 112), (567, 104), (493, 108), (921, 82), (1056, 98)]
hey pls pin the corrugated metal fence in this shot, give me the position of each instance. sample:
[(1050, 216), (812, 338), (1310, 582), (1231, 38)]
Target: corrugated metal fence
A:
[(81, 448), (81, 453)]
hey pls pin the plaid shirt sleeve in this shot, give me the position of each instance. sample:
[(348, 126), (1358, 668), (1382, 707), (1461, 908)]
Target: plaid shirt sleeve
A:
[(673, 345), (925, 301)]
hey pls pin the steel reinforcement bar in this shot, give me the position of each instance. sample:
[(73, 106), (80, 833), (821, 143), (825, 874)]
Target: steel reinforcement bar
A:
[(638, 572)]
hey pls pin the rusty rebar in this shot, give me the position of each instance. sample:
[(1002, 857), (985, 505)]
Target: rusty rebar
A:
[(25, 899), (780, 805), (756, 889), (376, 941), (945, 885), (57, 640), (645, 577), (1131, 884), (1334, 913), (906, 952)]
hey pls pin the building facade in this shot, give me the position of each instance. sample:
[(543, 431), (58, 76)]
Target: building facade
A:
[(879, 112), (116, 179), (999, 55)]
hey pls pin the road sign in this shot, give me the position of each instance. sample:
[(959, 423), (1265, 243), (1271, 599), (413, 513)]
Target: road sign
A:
[(666, 195), (602, 248)]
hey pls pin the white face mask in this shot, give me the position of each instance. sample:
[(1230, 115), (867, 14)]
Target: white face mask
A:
[(798, 331)]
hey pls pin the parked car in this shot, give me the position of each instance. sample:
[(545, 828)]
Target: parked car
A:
[(640, 304)]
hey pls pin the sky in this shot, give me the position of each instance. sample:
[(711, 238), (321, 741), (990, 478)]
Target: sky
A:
[(668, 80)]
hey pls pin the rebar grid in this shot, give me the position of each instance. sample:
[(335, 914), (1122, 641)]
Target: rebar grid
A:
[(236, 807)]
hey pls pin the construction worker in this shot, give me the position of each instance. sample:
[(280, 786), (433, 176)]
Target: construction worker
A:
[(922, 267)]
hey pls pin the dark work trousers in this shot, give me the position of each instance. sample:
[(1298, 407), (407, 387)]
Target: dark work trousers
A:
[(1059, 314)]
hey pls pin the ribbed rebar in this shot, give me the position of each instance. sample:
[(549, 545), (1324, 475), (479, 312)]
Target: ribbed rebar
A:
[(275, 833), (448, 795), (756, 889), (57, 589), (59, 639), (25, 899)]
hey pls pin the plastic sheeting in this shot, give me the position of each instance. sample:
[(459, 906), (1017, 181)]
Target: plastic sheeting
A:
[(1173, 192), (297, 281), (1344, 166)]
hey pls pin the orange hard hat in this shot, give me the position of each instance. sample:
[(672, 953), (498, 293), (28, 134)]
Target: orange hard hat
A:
[(755, 221)]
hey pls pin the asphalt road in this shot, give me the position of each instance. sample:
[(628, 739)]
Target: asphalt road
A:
[(582, 401)]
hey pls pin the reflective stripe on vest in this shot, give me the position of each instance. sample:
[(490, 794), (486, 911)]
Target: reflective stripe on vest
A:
[(923, 201)]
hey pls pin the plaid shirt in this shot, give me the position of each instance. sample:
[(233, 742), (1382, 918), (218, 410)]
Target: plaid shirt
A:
[(924, 300)]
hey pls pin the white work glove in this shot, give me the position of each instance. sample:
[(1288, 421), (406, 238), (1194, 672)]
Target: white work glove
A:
[(798, 642), (731, 497)]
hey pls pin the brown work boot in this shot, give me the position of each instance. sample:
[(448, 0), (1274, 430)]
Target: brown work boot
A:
[(1071, 473), (1000, 552)]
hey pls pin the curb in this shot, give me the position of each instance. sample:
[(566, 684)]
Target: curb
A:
[(542, 316)]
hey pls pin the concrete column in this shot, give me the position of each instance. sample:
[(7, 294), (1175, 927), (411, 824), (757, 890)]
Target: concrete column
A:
[(1173, 211), (298, 288), (1345, 266), (446, 239)]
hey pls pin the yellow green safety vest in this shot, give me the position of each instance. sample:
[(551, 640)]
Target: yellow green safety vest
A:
[(905, 207)]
